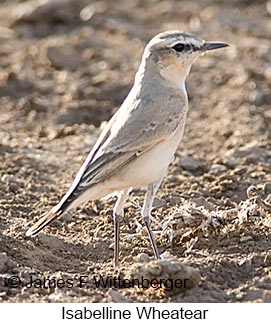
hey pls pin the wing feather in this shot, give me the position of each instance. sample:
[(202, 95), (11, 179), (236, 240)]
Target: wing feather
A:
[(136, 127)]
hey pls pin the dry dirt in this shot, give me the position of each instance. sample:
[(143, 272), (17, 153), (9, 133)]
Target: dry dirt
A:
[(65, 68)]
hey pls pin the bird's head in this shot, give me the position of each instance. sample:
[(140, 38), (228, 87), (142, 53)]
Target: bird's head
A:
[(173, 52)]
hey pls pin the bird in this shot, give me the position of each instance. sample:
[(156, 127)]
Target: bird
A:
[(139, 142)]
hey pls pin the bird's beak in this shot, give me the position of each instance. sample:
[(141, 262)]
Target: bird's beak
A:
[(209, 46)]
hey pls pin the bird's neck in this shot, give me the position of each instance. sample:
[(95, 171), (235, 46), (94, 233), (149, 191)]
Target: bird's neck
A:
[(175, 76)]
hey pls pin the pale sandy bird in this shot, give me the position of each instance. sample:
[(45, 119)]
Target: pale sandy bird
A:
[(137, 145)]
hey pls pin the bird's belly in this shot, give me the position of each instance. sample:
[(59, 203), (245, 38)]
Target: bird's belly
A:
[(148, 167), (152, 165)]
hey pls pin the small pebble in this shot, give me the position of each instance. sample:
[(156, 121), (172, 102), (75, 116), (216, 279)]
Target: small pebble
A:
[(245, 238), (3, 260), (245, 263), (219, 167), (142, 257), (190, 163)]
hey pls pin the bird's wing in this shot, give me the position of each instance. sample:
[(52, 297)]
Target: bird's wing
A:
[(135, 128), (140, 123)]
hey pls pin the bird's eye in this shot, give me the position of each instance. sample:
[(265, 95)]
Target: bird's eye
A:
[(179, 47)]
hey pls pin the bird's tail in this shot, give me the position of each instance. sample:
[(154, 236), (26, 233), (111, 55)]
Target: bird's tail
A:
[(42, 222), (63, 206), (70, 200)]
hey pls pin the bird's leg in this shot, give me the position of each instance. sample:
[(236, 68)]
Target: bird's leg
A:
[(146, 211), (118, 213)]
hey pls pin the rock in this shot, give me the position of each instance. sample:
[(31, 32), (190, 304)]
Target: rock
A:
[(3, 261), (267, 296), (201, 201), (47, 10), (267, 259), (251, 154), (191, 164), (88, 11), (254, 294), (267, 188), (67, 217), (142, 257), (218, 167), (167, 256), (165, 277), (231, 162), (246, 264), (245, 238), (129, 259), (158, 203), (50, 242), (63, 57), (117, 297)]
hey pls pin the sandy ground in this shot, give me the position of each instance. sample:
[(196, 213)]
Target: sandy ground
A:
[(64, 69)]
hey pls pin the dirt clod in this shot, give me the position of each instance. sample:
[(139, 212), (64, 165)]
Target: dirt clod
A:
[(172, 277), (65, 67)]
